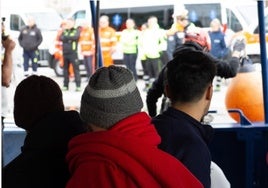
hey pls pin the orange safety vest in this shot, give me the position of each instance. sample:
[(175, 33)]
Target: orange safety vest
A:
[(58, 47), (86, 41), (108, 43)]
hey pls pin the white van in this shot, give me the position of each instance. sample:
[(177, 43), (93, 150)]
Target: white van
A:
[(237, 17), (48, 20)]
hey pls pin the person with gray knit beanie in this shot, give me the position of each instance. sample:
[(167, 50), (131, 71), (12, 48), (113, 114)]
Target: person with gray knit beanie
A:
[(107, 97), (120, 147)]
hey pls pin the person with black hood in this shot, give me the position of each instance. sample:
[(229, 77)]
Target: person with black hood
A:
[(39, 110), (29, 39), (225, 69)]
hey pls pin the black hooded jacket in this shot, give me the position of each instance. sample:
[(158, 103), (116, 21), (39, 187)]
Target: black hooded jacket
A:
[(225, 69), (42, 160)]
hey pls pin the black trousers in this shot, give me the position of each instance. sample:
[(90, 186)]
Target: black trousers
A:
[(71, 59)]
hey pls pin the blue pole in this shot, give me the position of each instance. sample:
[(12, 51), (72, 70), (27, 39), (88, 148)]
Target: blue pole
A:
[(95, 22), (263, 57)]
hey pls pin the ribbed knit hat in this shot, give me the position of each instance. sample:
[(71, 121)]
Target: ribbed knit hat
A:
[(110, 96)]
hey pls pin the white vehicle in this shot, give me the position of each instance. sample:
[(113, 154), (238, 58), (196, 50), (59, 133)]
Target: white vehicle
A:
[(48, 20), (237, 17)]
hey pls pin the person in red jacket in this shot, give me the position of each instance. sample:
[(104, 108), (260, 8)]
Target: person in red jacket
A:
[(121, 148)]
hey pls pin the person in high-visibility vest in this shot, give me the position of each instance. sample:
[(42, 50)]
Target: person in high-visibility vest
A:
[(58, 48), (69, 38), (86, 42), (108, 40), (152, 46), (129, 40)]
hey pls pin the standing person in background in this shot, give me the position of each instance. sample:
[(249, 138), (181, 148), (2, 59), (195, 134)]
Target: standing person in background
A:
[(152, 43), (69, 38), (30, 38), (58, 48), (218, 46), (86, 42), (143, 58), (129, 39), (176, 34), (107, 40), (225, 69), (120, 149)]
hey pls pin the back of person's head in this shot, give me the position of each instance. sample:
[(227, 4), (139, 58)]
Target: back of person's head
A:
[(189, 74), (189, 45), (35, 97), (110, 96)]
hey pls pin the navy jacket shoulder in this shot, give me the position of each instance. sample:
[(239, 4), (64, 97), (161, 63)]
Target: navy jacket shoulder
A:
[(186, 139)]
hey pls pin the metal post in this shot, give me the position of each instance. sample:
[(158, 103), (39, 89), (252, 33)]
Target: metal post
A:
[(95, 23), (263, 58)]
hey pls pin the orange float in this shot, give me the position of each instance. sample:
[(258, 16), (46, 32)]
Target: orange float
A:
[(245, 93)]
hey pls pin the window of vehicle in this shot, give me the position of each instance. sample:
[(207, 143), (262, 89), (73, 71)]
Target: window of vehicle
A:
[(140, 15), (46, 21), (249, 13), (16, 22), (256, 31), (202, 14), (232, 21), (79, 15)]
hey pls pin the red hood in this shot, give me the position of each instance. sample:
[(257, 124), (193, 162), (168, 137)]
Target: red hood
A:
[(130, 146)]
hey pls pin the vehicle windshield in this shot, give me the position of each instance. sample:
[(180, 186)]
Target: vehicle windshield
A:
[(249, 13), (46, 21)]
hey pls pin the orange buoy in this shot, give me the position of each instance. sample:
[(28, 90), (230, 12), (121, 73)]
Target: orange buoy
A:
[(245, 93)]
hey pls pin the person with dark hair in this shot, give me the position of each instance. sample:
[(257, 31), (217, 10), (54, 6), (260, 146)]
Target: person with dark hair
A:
[(39, 110), (121, 150), (189, 87), (225, 69)]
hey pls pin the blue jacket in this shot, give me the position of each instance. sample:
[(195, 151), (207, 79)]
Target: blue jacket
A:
[(218, 45), (186, 139)]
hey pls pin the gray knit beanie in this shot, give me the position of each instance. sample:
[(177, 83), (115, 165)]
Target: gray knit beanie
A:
[(110, 96)]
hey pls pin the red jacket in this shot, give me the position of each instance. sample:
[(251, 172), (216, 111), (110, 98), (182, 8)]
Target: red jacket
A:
[(125, 156)]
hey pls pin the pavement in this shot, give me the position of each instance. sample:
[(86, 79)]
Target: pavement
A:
[(72, 99)]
